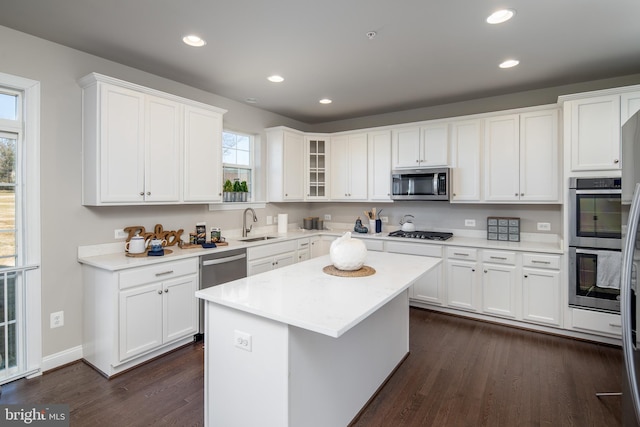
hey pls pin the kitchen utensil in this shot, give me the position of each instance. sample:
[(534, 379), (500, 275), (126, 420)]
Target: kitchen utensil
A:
[(136, 245), (407, 223)]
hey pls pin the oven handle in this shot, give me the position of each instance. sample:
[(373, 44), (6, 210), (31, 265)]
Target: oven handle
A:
[(603, 191), (594, 252)]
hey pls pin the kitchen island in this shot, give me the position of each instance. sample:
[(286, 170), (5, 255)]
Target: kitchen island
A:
[(296, 346)]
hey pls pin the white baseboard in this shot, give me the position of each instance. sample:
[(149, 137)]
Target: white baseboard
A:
[(61, 358)]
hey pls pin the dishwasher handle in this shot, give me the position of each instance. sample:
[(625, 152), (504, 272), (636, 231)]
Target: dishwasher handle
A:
[(223, 260)]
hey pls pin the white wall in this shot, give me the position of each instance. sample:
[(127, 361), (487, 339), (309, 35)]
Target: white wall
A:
[(66, 224)]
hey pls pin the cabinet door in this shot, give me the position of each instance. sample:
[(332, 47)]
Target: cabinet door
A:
[(358, 167), (283, 260), (541, 296), (406, 148), (595, 133), (435, 145), (293, 167), (121, 145), (379, 165), (502, 158), (499, 288), (539, 164), (339, 168), (463, 285), (430, 287), (140, 320), (318, 246), (202, 155), (180, 308), (259, 266), (163, 148), (466, 146), (317, 167), (629, 105), (303, 255)]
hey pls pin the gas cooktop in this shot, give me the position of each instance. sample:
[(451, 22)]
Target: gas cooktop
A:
[(427, 235)]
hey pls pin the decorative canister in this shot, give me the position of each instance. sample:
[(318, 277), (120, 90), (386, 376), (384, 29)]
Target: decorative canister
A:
[(347, 253)]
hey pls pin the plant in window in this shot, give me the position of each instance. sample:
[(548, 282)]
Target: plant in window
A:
[(227, 189), (245, 190)]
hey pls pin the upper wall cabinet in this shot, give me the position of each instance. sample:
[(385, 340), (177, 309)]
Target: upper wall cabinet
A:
[(521, 157), (379, 165), (629, 105), (424, 146), (466, 157), (349, 167), (286, 165), (134, 144), (317, 166)]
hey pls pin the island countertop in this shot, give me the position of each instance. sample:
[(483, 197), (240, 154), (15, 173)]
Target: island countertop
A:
[(302, 295)]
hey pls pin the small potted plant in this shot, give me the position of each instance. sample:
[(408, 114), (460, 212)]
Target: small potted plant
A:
[(227, 189), (236, 191), (244, 191)]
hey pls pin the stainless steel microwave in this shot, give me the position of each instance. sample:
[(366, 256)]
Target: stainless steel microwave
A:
[(420, 184)]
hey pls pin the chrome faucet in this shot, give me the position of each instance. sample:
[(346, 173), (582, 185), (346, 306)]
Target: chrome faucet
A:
[(245, 230)]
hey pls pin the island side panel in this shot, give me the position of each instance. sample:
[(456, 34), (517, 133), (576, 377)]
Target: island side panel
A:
[(331, 379), (244, 388)]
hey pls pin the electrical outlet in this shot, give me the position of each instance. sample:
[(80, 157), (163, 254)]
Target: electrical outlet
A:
[(269, 220), (242, 340), (56, 320), (544, 226), (469, 222), (384, 219), (327, 217), (119, 233)]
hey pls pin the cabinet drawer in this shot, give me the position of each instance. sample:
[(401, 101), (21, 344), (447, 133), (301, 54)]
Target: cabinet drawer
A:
[(541, 261), (597, 321), (462, 253), (303, 244), (158, 272), (271, 249), (374, 245), (499, 257), (414, 249)]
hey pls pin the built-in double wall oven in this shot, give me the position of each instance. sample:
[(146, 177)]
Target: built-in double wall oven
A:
[(595, 232)]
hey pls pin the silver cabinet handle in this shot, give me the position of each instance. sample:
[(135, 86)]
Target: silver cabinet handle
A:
[(166, 291), (142, 193), (164, 273), (148, 193), (614, 325), (223, 260), (501, 258), (160, 292), (616, 161), (533, 261), (459, 254)]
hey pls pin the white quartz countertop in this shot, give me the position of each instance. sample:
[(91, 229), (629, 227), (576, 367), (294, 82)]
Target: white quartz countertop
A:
[(302, 295)]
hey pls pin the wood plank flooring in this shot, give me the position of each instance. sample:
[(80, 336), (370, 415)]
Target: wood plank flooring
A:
[(460, 372)]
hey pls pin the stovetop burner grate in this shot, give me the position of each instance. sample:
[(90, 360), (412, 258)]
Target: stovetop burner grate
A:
[(427, 235)]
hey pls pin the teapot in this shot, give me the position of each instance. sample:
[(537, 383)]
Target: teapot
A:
[(136, 245), (347, 253), (407, 223)]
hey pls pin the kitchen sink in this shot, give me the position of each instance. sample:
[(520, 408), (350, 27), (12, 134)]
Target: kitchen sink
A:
[(258, 239)]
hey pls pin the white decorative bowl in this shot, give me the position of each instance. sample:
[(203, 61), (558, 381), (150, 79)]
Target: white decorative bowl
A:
[(347, 253)]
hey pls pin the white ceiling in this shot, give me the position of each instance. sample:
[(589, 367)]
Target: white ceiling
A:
[(426, 52)]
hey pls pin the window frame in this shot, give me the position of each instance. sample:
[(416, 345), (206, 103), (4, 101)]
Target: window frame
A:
[(251, 167)]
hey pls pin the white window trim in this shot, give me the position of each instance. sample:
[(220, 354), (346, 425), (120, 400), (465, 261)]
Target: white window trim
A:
[(30, 116)]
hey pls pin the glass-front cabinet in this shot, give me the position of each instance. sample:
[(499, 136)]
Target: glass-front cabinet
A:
[(317, 147)]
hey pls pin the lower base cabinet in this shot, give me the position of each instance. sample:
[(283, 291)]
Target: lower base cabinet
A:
[(541, 289), (430, 288), (463, 281), (265, 258), (500, 283), (139, 313)]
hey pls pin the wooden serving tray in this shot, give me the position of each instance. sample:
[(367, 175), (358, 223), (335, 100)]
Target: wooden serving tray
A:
[(146, 253), (365, 270)]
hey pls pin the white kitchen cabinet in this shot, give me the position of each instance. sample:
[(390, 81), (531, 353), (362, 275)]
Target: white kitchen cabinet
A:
[(349, 162), (133, 315), (303, 252), (594, 133), (379, 165), (466, 158), (521, 157), (202, 155), (463, 279), (541, 288), (320, 245), (424, 146), (317, 156), (285, 165), (430, 288), (134, 143), (629, 105), (500, 283), (271, 256)]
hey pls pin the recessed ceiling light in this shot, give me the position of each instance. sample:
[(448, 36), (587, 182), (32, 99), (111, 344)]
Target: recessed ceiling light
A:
[(325, 101), (193, 40), (500, 16), (509, 63), (275, 79)]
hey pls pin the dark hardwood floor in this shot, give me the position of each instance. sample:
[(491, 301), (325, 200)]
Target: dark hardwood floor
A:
[(460, 372)]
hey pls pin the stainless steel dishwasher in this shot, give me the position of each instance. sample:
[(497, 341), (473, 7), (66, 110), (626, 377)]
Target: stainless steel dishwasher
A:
[(219, 268)]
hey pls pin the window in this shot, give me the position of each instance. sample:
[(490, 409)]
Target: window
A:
[(237, 163), (20, 331)]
